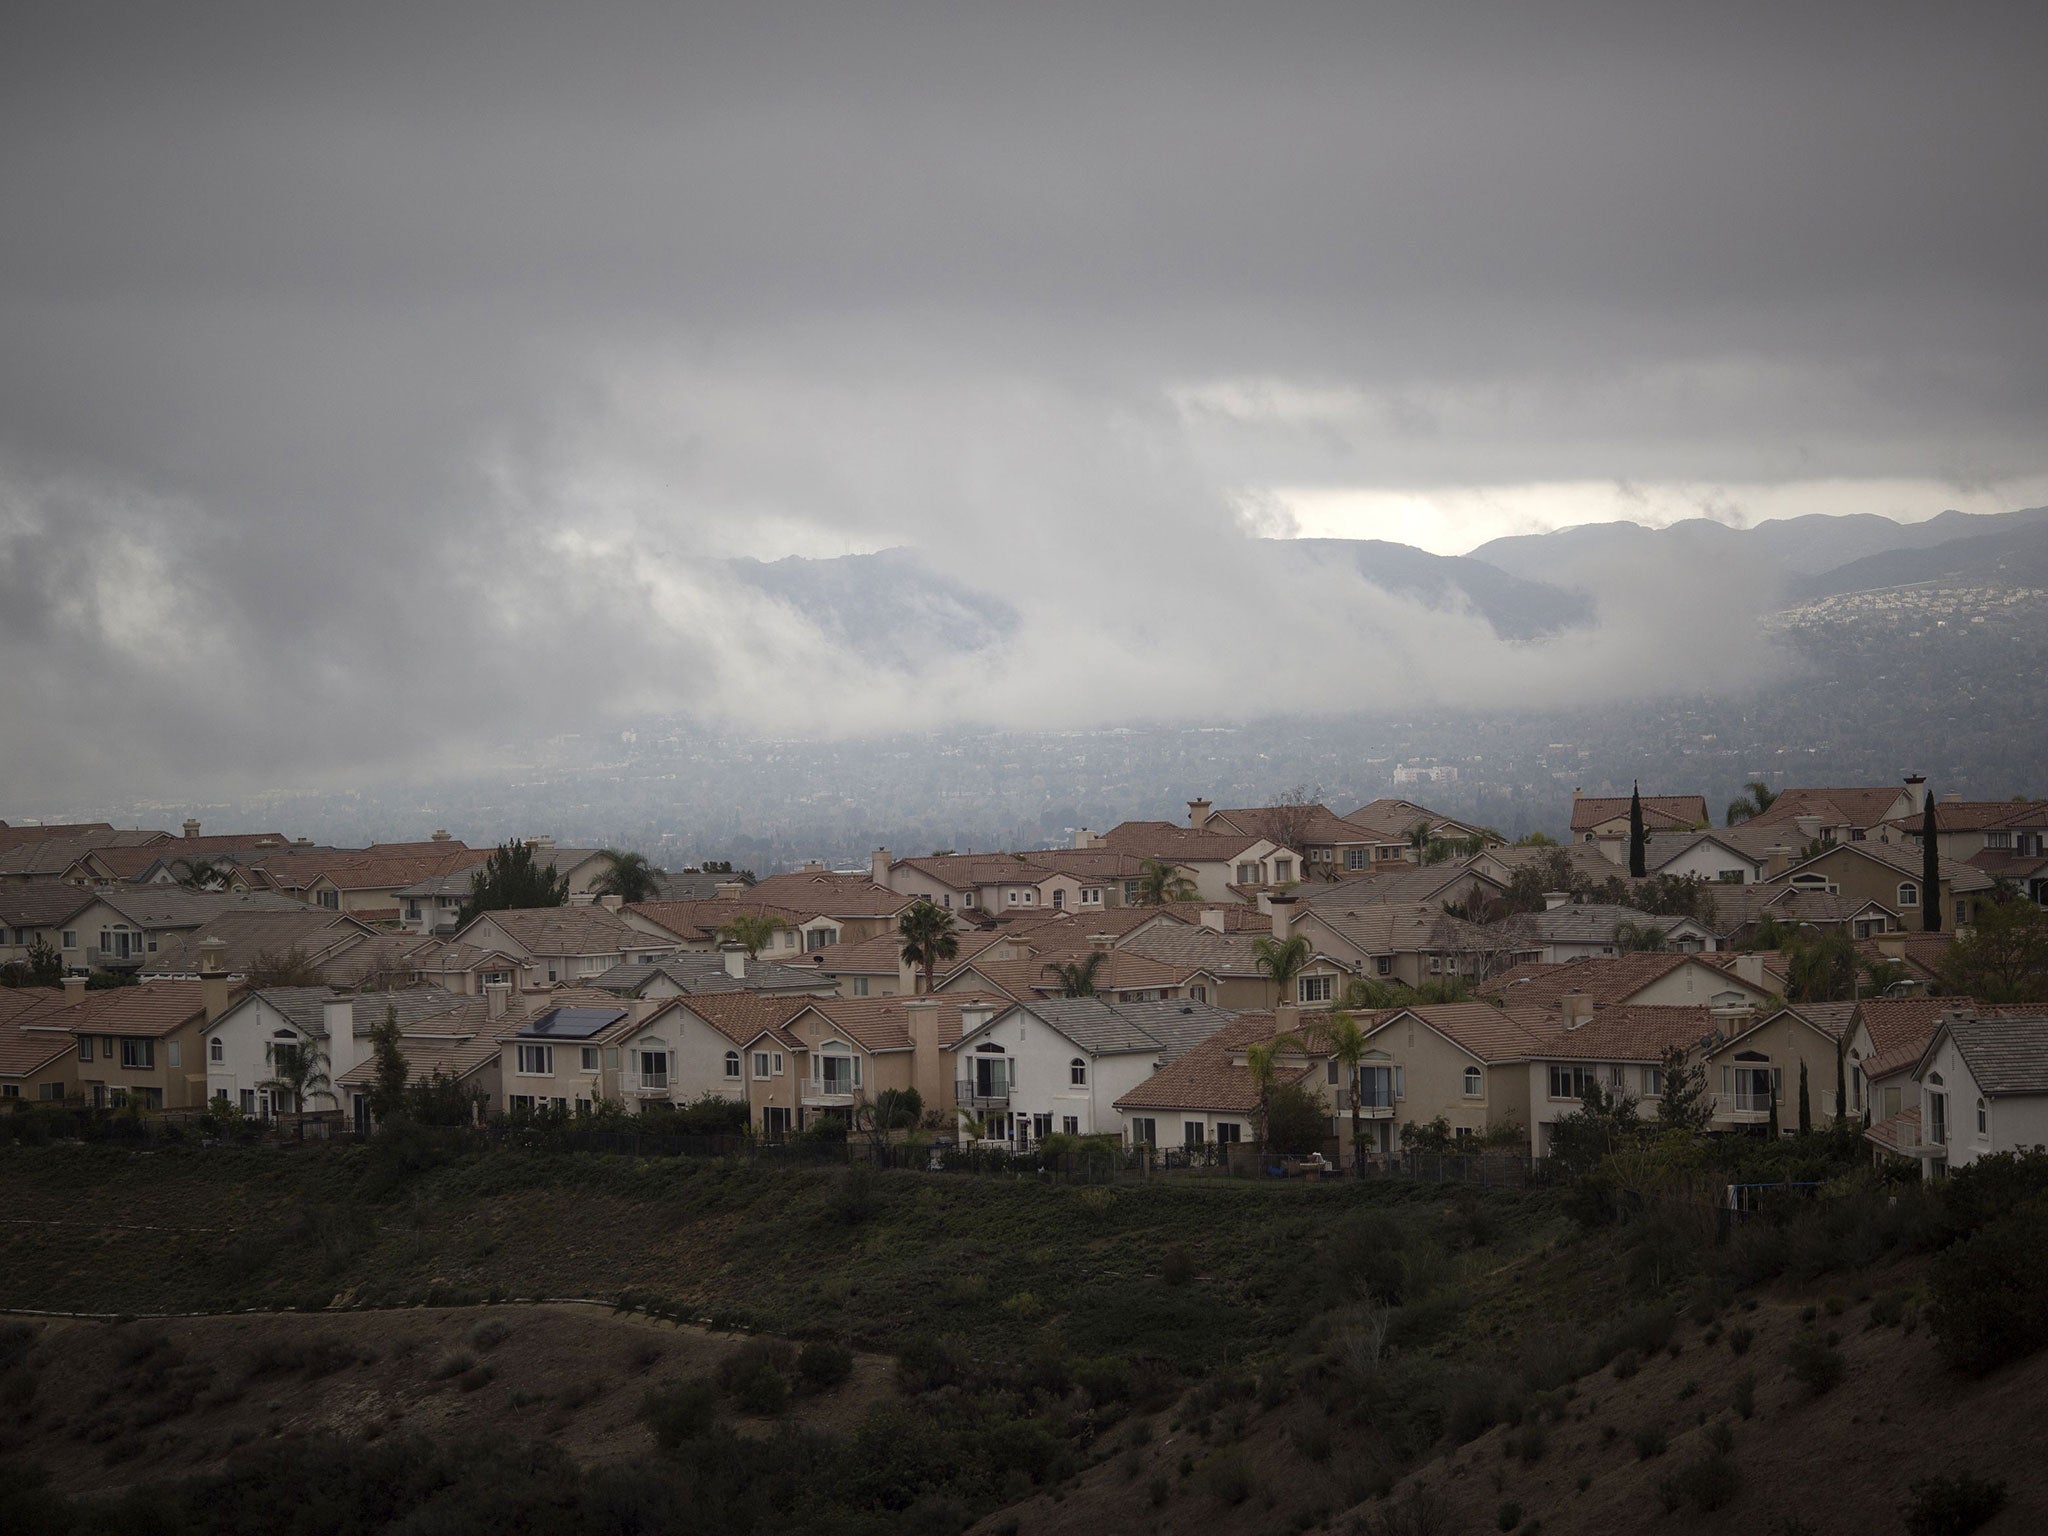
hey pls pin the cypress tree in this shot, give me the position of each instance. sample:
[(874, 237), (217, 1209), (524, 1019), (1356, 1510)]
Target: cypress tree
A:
[(1775, 1129), (1930, 869), (1842, 1080), (1638, 866), (1805, 1106)]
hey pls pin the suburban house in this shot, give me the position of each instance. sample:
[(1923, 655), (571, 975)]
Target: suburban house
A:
[(1891, 875), (1841, 815), (468, 1057), (125, 926), (1464, 1063), (64, 853), (1207, 1096), (1738, 855), (240, 1043), (1885, 1043), (856, 1048), (694, 926), (246, 937), (1641, 979), (366, 884), (686, 975), (176, 860), (1602, 821), (1740, 914), (41, 912), (1586, 931), (876, 967), (1077, 880), (1443, 884), (1120, 975), (1621, 1049), (36, 1065), (1964, 829), (1759, 1065), (1393, 822), (1059, 1065), (1412, 942), (1224, 866), (1983, 1087), (1329, 846), (568, 1053), (567, 945), (140, 1045)]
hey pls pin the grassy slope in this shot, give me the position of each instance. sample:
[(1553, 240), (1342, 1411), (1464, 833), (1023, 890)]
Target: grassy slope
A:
[(992, 1261)]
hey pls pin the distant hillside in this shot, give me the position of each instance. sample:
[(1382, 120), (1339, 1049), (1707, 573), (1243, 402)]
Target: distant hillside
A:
[(1517, 609), (2014, 557), (889, 608), (1787, 549)]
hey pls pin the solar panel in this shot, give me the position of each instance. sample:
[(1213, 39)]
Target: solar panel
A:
[(574, 1023)]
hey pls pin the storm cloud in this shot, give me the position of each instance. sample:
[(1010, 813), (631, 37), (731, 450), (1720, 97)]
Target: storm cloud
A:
[(378, 382)]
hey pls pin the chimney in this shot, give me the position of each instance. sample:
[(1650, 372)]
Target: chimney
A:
[(973, 1015), (735, 960), (930, 1072), (878, 866), (1750, 968), (1577, 1008), (213, 957), (540, 842), (1283, 916), (1083, 838), (440, 835), (1916, 790), (811, 867), (1198, 814), (338, 1017), (611, 903), (1777, 859), (1552, 900), (1809, 827), (191, 826), (1102, 943), (583, 898), (1286, 1017), (74, 990), (1892, 943), (302, 842), (730, 890), (1212, 919), (1952, 797), (497, 998)]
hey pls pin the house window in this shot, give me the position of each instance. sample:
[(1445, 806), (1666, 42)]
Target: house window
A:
[(760, 1064), (818, 938), (1144, 1131), (71, 938), (520, 1102), (1436, 965), (1568, 1082), (1041, 1127), (1752, 1089), (1013, 898), (174, 1053), (216, 1049), (860, 986), (1653, 1082), (590, 1058), (1199, 993), (1983, 1119), (654, 1070), (1283, 871), (778, 1063), (833, 1072), (1077, 1072), (1383, 965), (1130, 892), (1191, 1133), (1379, 1087), (331, 900), (1474, 1082), (1729, 877), (536, 1060), (1354, 858), (1331, 1068), (1314, 989), (732, 1064), (947, 899), (1247, 874), (1059, 898), (1962, 913), (1071, 1125), (1909, 894), (138, 1053), (1228, 1133), (1937, 1119)]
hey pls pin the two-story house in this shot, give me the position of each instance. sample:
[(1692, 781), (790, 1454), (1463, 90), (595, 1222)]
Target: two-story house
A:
[(1983, 1082), (1602, 821)]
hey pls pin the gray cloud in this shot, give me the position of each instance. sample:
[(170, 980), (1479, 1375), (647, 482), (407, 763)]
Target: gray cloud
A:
[(380, 381)]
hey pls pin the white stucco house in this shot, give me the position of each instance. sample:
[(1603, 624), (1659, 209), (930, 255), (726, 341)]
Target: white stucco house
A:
[(240, 1043), (1983, 1081)]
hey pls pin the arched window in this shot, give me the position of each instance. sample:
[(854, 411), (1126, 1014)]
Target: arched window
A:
[(1077, 1072), (1909, 894), (1473, 1081), (216, 1049), (732, 1064)]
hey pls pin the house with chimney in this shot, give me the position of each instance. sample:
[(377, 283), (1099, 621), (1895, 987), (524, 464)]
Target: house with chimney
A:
[(686, 974), (1621, 1048), (1224, 865), (1409, 942), (1393, 821), (128, 927), (1569, 930), (1463, 1063), (1756, 1066), (246, 935), (1602, 821), (1891, 876), (562, 945), (1806, 816), (139, 1045), (41, 912), (1645, 978), (240, 1044), (1207, 1100)]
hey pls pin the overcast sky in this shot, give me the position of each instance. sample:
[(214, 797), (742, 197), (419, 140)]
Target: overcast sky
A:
[(376, 380)]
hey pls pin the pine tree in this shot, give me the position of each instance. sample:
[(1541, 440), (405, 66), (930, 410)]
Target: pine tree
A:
[(387, 1091), (1805, 1105), (1638, 864), (511, 879), (1930, 869)]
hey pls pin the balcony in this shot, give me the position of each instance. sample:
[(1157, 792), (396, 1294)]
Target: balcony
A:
[(829, 1090), (972, 1096), (646, 1087)]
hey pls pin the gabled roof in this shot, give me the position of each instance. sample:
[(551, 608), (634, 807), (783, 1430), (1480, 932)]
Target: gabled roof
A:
[(173, 906), (251, 935), (1862, 806), (1897, 1134), (306, 1007), (1978, 815), (131, 863), (1209, 1078), (1391, 818), (1121, 970), (1398, 927), (1899, 1028), (1747, 842), (1595, 922), (25, 1051), (1407, 882), (1962, 878), (1921, 952), (1634, 1033), (815, 894), (699, 921), (49, 832), (1190, 949), (51, 856), (880, 1023), (1606, 979), (966, 871), (40, 903), (1484, 1032), (1291, 826), (589, 930), (699, 973), (2006, 1052), (1093, 1025), (152, 1008), (1831, 1020), (1172, 843), (742, 1017), (1660, 812), (431, 1055)]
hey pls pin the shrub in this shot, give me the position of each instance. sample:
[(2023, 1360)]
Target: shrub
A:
[(490, 1333), (1815, 1364), (1952, 1506), (1722, 1437), (1162, 1490), (455, 1363), (1711, 1482), (1508, 1516), (1740, 1338), (1531, 1443), (679, 1411), (1226, 1478), (1990, 1292), (1177, 1266), (1314, 1443), (477, 1376), (1887, 1309), (1626, 1365), (1650, 1442), (1745, 1395), (822, 1365)]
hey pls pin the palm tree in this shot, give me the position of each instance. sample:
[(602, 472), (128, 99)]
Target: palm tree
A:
[(1282, 961), (1630, 936), (204, 875), (1160, 882), (1754, 803), (928, 937), (1262, 1060), (753, 931), (1370, 995), (1077, 977), (631, 877), (1419, 839), (298, 1070), (1341, 1036)]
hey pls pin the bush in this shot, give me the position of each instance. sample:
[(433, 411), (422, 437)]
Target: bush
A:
[(1226, 1478), (1815, 1364), (1161, 1490), (1530, 1443), (1711, 1482), (1177, 1266), (1990, 1292), (490, 1333), (1952, 1506), (1508, 1516), (680, 1411), (1650, 1442), (455, 1363), (1745, 1395), (1740, 1338), (823, 1365), (1626, 1365)]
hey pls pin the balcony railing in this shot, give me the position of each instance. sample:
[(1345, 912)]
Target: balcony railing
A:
[(985, 1093), (648, 1086), (829, 1088)]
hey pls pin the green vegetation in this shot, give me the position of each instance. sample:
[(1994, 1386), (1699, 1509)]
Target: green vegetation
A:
[(511, 878), (630, 878)]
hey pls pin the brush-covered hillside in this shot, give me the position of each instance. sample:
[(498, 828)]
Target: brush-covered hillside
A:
[(833, 1349)]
